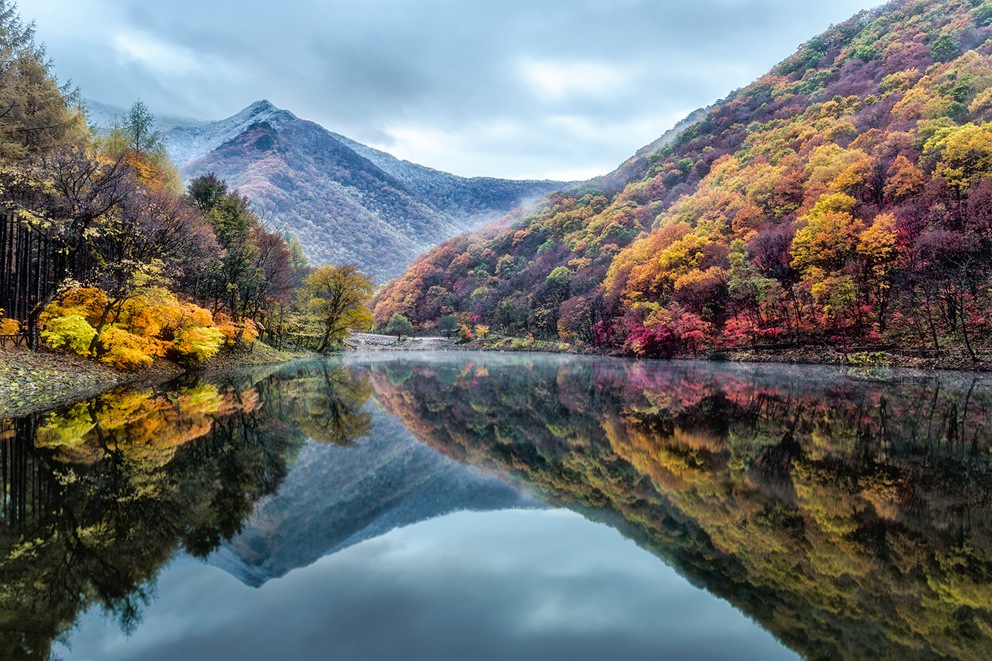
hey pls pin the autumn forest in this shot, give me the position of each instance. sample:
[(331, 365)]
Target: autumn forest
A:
[(183, 476), (842, 201), (103, 252)]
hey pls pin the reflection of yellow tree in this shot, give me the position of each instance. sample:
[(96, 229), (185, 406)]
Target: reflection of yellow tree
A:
[(139, 423), (325, 402), (338, 414), (106, 491)]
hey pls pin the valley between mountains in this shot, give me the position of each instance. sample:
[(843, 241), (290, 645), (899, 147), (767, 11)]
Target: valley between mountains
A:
[(837, 209)]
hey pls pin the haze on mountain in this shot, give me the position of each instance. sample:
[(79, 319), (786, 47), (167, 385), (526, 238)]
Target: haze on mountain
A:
[(347, 203)]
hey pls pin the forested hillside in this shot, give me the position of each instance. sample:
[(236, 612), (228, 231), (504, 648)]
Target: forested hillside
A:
[(343, 208), (346, 203), (845, 198), (103, 253)]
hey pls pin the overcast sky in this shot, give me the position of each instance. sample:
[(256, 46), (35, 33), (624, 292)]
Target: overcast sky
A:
[(562, 89)]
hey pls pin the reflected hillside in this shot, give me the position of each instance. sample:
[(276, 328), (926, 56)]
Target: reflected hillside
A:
[(850, 517), (364, 476), (334, 497)]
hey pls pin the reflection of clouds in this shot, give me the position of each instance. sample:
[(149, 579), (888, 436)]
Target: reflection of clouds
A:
[(512, 584)]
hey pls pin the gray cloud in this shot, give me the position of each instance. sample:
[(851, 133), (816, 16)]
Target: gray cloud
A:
[(474, 87), (504, 585)]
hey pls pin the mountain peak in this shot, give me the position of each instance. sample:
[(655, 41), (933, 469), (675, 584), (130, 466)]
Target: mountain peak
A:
[(347, 203), (260, 105), (262, 110), (186, 144)]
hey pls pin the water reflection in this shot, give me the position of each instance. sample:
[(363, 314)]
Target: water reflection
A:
[(526, 585), (850, 517), (99, 496)]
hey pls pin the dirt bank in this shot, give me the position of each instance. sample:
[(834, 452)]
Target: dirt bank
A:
[(33, 381)]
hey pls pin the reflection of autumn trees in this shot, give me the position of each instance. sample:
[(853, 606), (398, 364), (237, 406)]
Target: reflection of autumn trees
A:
[(851, 518), (323, 401), (98, 497)]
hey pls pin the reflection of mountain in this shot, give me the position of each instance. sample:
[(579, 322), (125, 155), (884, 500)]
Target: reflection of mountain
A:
[(337, 496), (850, 518)]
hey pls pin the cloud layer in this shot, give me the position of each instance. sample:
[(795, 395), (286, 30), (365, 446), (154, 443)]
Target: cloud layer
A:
[(501, 585), (514, 88)]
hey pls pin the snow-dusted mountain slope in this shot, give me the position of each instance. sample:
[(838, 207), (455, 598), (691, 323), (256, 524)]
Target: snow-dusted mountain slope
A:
[(189, 143), (346, 202)]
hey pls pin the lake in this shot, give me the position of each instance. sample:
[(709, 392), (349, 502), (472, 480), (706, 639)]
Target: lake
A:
[(496, 506)]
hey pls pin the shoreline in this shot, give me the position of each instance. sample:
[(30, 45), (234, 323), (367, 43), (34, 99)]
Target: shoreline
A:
[(40, 381), (36, 382), (951, 360)]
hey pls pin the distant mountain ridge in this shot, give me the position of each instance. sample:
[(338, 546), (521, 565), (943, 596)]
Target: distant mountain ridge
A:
[(346, 202), (470, 201)]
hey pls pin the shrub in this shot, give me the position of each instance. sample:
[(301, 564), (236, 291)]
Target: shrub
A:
[(86, 302), (195, 344), (72, 333), (123, 350)]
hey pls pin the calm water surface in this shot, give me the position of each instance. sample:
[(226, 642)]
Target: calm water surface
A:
[(486, 506)]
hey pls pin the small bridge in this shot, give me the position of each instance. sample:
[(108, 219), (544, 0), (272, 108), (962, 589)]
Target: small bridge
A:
[(373, 342)]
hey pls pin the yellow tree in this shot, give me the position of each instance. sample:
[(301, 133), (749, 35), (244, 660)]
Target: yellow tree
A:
[(904, 180), (878, 248), (967, 156), (37, 113), (336, 298), (830, 236)]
